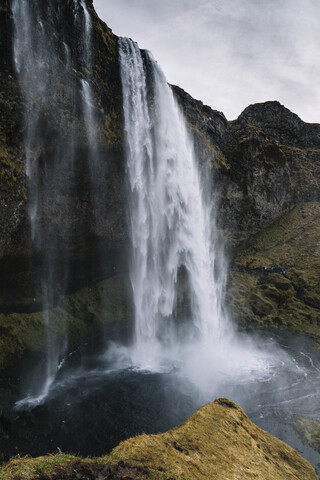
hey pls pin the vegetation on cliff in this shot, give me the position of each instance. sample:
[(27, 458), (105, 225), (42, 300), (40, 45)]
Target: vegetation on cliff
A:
[(262, 298), (218, 441)]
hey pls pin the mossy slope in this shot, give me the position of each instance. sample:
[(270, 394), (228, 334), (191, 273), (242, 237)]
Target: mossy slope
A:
[(267, 299), (217, 442)]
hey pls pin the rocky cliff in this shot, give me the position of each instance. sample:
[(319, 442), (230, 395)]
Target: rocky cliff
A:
[(264, 163), (59, 122), (265, 170)]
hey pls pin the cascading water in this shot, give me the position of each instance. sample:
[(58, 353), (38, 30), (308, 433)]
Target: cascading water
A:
[(173, 229), (44, 64), (171, 219)]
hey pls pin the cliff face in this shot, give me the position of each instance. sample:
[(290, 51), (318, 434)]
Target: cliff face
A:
[(274, 191), (53, 121), (12, 179), (274, 159), (265, 162)]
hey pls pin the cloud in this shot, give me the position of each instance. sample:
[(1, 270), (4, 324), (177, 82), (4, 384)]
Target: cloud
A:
[(230, 54)]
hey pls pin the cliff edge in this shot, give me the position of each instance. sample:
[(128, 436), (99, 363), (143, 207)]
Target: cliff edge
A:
[(218, 441)]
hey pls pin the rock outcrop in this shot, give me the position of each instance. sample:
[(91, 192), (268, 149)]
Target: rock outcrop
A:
[(218, 441), (275, 164)]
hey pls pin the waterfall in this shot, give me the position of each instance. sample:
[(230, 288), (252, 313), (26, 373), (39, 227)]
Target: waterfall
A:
[(44, 63), (177, 266), (172, 225)]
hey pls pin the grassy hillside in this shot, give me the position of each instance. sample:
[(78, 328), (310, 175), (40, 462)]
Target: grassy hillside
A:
[(262, 298), (217, 442)]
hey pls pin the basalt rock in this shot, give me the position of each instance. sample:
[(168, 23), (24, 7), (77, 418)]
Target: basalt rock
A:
[(275, 163)]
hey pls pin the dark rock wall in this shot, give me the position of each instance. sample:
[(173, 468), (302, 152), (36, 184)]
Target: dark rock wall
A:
[(12, 173), (263, 163), (275, 163), (71, 220)]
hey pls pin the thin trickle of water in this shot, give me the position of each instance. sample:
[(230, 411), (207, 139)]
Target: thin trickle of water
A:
[(88, 35), (171, 220), (67, 56), (44, 80), (88, 109)]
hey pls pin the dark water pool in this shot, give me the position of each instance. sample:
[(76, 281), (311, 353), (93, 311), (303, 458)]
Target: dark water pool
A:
[(90, 409)]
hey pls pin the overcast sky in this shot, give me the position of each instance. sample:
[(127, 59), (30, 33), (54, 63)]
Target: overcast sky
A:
[(230, 53)]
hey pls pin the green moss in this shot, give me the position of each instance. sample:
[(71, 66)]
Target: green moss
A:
[(259, 305), (26, 468), (217, 442), (270, 299), (111, 129), (220, 162), (11, 167)]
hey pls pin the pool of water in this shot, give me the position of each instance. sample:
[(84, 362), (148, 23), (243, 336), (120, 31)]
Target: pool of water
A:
[(94, 404)]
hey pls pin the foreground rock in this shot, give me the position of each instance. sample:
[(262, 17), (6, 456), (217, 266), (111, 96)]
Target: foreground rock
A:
[(218, 441)]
